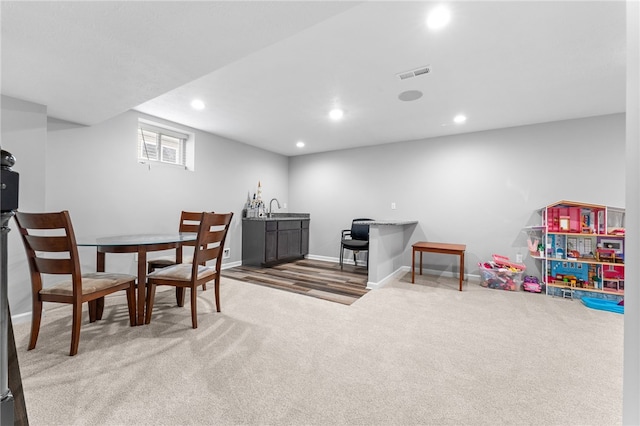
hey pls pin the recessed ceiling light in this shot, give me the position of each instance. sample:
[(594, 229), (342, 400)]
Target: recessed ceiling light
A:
[(438, 18), (459, 119), (336, 114), (300, 144), (197, 104)]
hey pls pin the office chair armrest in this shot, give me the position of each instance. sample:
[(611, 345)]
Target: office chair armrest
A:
[(346, 233)]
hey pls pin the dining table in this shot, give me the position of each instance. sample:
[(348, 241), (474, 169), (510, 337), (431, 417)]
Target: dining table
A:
[(140, 244)]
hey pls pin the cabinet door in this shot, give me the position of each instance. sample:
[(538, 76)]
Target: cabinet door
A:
[(270, 246), (294, 243), (288, 239), (304, 238), (288, 243)]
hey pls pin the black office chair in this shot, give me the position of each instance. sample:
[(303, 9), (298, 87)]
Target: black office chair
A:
[(355, 239)]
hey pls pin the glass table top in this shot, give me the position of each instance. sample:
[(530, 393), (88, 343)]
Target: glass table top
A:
[(136, 239)]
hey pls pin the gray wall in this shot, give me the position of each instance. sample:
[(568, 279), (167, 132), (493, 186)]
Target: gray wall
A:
[(631, 382), (478, 189), (24, 134), (93, 172)]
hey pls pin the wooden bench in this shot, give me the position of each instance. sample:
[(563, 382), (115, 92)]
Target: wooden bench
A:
[(442, 248)]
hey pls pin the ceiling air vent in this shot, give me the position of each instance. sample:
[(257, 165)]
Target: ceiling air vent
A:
[(414, 73)]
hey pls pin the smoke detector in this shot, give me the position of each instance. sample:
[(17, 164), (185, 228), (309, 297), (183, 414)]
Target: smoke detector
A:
[(414, 73)]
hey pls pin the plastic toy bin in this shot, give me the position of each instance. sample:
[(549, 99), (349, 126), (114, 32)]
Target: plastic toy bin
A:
[(500, 278)]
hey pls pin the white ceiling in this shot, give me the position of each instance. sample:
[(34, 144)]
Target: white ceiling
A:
[(269, 71)]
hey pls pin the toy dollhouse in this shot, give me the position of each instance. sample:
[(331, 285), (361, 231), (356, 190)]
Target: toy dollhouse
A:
[(583, 249)]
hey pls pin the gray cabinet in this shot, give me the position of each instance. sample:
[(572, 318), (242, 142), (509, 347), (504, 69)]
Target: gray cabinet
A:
[(270, 241), (304, 238)]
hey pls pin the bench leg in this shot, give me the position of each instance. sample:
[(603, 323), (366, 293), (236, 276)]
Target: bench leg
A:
[(461, 269), (413, 266)]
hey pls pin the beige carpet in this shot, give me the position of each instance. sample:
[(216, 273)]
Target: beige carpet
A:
[(401, 355)]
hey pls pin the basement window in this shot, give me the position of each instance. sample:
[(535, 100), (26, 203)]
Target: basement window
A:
[(159, 144)]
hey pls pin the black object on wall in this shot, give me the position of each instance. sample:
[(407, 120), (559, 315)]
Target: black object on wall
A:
[(12, 408), (8, 182)]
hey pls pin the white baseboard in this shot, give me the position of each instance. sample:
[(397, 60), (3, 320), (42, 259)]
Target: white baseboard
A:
[(448, 274), (323, 258), (22, 318), (228, 265), (334, 259), (401, 270)]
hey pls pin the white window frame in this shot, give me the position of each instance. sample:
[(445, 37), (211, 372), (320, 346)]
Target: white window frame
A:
[(163, 136)]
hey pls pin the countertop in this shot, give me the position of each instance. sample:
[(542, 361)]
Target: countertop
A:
[(387, 222), (280, 216)]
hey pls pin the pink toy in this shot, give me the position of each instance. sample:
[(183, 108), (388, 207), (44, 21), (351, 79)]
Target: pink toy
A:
[(531, 284), (505, 262)]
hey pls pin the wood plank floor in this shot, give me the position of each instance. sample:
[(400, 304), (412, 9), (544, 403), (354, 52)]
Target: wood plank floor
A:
[(314, 278)]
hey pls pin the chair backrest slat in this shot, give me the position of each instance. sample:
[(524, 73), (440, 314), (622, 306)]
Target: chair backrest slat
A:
[(214, 236), (46, 248), (42, 220), (211, 253), (210, 242), (189, 228), (190, 222), (48, 244), (54, 266)]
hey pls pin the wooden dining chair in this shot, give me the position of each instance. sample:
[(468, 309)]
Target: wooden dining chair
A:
[(189, 222), (51, 248), (205, 266)]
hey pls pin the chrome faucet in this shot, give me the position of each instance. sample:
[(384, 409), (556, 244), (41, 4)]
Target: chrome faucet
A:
[(271, 206)]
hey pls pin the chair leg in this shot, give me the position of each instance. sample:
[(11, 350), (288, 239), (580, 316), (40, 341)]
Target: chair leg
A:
[(36, 317), (151, 295), (217, 292), (204, 286), (341, 255), (194, 307), (99, 308), (93, 309), (355, 261), (180, 296), (131, 304), (75, 328)]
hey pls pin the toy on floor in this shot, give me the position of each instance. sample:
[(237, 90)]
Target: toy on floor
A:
[(505, 262), (531, 284), (604, 305), (498, 277)]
